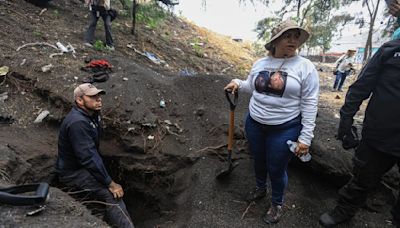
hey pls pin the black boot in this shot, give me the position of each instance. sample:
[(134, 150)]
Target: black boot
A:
[(333, 218), (256, 194)]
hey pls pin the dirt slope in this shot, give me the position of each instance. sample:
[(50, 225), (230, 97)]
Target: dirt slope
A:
[(164, 157)]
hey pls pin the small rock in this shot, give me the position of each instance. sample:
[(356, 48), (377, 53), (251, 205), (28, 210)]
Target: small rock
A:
[(138, 100), (4, 70), (3, 96), (47, 68), (76, 78), (337, 97), (41, 116), (200, 111), (125, 79)]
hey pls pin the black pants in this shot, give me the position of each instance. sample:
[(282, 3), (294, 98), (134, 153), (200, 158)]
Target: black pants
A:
[(116, 214), (369, 167), (94, 17)]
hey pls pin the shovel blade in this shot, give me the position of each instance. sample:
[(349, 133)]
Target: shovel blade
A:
[(225, 172)]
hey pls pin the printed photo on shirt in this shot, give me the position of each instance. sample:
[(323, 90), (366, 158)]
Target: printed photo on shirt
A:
[(271, 83)]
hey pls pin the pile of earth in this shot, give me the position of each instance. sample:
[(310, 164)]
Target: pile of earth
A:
[(165, 157)]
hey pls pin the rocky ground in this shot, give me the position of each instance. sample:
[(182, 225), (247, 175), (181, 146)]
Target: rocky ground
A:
[(165, 158)]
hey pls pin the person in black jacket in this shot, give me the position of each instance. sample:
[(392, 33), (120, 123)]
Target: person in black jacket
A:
[(379, 148), (79, 165)]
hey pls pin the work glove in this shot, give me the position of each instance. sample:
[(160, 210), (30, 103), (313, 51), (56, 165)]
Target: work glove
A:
[(347, 133)]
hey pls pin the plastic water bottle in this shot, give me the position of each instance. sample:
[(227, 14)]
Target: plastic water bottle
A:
[(292, 147)]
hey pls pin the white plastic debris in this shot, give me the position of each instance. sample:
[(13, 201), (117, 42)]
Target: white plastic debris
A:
[(162, 104), (22, 62), (4, 70), (3, 96), (41, 116), (125, 79), (150, 137), (62, 47)]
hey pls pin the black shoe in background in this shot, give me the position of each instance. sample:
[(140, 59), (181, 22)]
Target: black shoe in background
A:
[(333, 218), (256, 194)]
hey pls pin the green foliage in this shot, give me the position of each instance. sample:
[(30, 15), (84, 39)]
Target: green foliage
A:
[(99, 45), (264, 27), (56, 13), (314, 15), (197, 47), (151, 15), (37, 33), (258, 48)]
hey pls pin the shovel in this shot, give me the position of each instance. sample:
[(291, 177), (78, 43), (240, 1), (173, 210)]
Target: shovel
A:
[(225, 172)]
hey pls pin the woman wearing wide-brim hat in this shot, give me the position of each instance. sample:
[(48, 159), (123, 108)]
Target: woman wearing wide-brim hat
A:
[(283, 106)]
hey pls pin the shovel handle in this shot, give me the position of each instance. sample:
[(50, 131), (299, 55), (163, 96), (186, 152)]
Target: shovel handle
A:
[(233, 102), (231, 130)]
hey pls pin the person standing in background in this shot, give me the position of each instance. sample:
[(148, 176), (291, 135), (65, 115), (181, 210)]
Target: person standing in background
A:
[(343, 67)]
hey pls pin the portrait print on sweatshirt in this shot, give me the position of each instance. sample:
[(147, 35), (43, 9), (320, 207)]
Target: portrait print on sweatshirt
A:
[(272, 83)]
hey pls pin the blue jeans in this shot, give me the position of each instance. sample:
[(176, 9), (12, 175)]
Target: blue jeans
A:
[(339, 81), (89, 36), (271, 153)]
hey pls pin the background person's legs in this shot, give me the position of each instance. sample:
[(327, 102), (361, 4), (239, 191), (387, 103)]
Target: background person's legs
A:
[(107, 29), (89, 35), (337, 80), (342, 79)]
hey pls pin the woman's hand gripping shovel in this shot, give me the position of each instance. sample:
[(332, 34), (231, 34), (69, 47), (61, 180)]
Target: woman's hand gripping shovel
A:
[(226, 171)]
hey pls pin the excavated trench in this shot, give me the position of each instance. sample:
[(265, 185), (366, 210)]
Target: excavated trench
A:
[(148, 178)]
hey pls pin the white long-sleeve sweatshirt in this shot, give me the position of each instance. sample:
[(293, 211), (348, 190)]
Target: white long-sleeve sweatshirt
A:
[(297, 95)]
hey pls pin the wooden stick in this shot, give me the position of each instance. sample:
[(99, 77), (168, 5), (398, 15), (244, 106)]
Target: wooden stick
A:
[(109, 204), (36, 44), (247, 209), (211, 148)]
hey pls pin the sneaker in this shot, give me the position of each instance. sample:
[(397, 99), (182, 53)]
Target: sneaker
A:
[(110, 48), (87, 44), (273, 215), (256, 194), (333, 218)]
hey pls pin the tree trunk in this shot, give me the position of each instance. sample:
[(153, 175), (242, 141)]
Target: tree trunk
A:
[(368, 45), (134, 9)]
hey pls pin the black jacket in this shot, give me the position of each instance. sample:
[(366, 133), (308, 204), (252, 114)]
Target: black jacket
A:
[(78, 145), (380, 80)]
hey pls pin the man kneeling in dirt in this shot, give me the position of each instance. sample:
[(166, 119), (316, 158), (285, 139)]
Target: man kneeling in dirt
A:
[(79, 165)]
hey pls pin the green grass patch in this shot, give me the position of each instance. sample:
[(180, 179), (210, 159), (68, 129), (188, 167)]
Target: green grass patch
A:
[(99, 45)]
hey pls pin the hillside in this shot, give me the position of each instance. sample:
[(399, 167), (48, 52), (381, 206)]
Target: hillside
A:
[(165, 158)]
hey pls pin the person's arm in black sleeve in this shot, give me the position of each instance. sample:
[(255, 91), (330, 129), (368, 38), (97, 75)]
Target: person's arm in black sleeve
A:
[(363, 87), (360, 90), (85, 150)]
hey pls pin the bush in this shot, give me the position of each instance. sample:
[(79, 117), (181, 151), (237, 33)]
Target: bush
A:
[(150, 14)]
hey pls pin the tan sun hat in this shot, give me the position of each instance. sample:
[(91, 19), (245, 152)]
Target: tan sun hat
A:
[(284, 26), (87, 89)]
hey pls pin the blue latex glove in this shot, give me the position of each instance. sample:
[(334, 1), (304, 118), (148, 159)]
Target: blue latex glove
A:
[(396, 34)]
